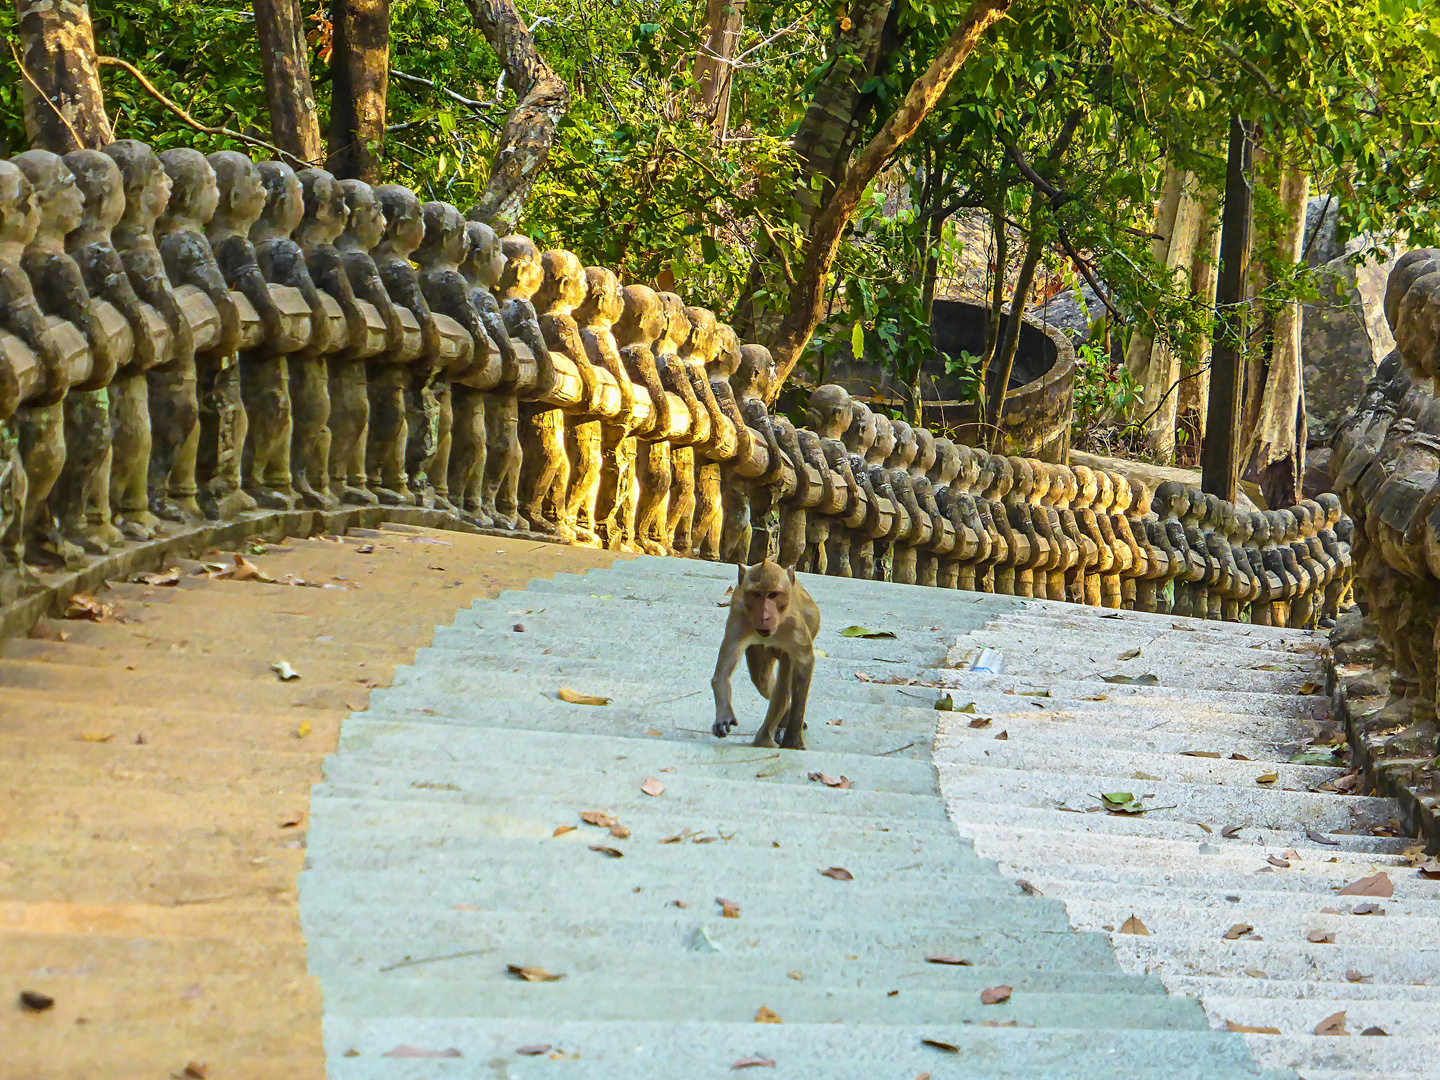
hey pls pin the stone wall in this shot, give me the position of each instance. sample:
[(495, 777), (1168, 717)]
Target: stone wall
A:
[(205, 346)]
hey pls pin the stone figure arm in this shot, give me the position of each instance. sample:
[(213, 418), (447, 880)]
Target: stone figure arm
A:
[(146, 273), (449, 293), (523, 323), (814, 455), (282, 262), (189, 261), (789, 443), (562, 335), (757, 417), (403, 285), (328, 273), (490, 314), (241, 271), (602, 353), (365, 282), (677, 380), (57, 279), (20, 314), (105, 278), (639, 362), (705, 395)]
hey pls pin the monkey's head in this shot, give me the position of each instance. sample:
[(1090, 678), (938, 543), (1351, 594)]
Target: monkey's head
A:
[(764, 590)]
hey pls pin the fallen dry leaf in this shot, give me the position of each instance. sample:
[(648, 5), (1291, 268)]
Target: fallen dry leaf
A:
[(728, 594), (1200, 753), (1003, 736), (753, 1062), (163, 579), (1027, 888), (1309, 687), (1334, 1024), (766, 1015), (1267, 778), (839, 873), (999, 1023), (1320, 937), (996, 995), (1321, 838), (1236, 932), (1240, 757), (534, 1049), (1351, 975), (729, 909), (1368, 908), (245, 570), (1276, 861), (574, 697), (95, 736), (619, 832), (980, 722), (561, 830), (84, 606), (531, 974), (283, 671), (1230, 1025), (34, 1001), (1230, 832), (842, 782), (1374, 885), (955, 961), (936, 1044), (1430, 868), (1133, 925), (609, 852), (405, 1050), (303, 731), (1129, 654), (1374, 1031), (198, 1070), (598, 817), (798, 976)]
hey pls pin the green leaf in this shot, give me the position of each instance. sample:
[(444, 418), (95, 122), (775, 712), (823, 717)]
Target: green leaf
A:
[(1148, 679), (1317, 757), (945, 704), (862, 632), (857, 340)]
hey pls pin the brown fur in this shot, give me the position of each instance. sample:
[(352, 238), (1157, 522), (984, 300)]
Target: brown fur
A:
[(773, 621)]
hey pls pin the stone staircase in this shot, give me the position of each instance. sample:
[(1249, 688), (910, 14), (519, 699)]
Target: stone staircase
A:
[(450, 872)]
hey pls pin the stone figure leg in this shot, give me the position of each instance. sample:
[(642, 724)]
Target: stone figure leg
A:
[(438, 470), (584, 447), (13, 573), (87, 444), (310, 417), (42, 450), (903, 565), (862, 557), (219, 444), (837, 552), (423, 408), (130, 443), (817, 544), (680, 517), (544, 468), (628, 494), (349, 433), (466, 469), (617, 483), (927, 570), (388, 435), (501, 499), (174, 424), (653, 476), (793, 527), (708, 512), (735, 516), (265, 390)]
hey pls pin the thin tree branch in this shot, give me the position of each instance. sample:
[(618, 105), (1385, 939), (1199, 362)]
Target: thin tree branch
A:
[(206, 129), (1087, 274), (1234, 52)]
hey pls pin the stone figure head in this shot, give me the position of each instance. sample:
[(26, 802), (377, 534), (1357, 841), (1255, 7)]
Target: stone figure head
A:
[(948, 465), (404, 224), (241, 194), (862, 431), (1418, 334), (924, 459), (677, 326), (364, 219), (884, 445), (484, 262), (284, 207), (905, 445), (324, 215), (444, 242), (146, 183), (700, 344), (1106, 496), (1083, 488), (101, 186), (194, 193), (755, 373), (725, 356), (1004, 479), (1330, 506), (641, 317), (57, 197), (1408, 267), (563, 289), (523, 272), (603, 304), (19, 214), (827, 410)]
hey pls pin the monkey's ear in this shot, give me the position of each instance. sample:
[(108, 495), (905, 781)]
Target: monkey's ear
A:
[(791, 571), (740, 578)]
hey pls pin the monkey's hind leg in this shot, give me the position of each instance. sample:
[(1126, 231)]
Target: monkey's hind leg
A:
[(794, 737), (779, 705), (761, 662)]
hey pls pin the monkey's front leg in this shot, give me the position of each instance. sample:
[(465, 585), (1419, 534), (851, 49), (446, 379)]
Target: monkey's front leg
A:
[(799, 695), (779, 705), (761, 662), (720, 685)]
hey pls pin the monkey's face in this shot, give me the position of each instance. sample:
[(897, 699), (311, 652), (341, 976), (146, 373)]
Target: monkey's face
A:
[(766, 590)]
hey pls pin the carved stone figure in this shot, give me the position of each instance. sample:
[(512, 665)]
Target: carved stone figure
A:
[(544, 464), (829, 414), (701, 345), (641, 322), (752, 497), (488, 419), (597, 315), (679, 511), (720, 473)]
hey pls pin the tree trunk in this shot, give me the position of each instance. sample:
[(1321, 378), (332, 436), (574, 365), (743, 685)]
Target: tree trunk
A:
[(808, 294), (713, 72), (284, 57), (524, 145), (1163, 371), (60, 82), (1220, 456), (1195, 384), (997, 373), (360, 72), (1275, 453), (997, 288), (1137, 356)]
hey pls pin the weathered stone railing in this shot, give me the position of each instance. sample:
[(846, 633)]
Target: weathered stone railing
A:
[(1386, 465), (187, 339)]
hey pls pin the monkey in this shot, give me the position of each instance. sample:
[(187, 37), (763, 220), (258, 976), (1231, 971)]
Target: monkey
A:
[(772, 618)]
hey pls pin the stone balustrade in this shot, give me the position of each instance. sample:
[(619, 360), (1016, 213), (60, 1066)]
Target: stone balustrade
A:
[(189, 339)]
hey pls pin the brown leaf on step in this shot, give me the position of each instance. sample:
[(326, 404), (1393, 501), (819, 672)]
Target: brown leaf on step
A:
[(95, 736), (1004, 736), (1274, 861), (619, 832), (729, 909), (864, 676), (1230, 1025), (292, 821), (34, 1001), (841, 782), (996, 995), (839, 873), (1129, 654), (1230, 832), (531, 974), (1320, 937), (999, 1023), (1267, 778), (954, 961), (597, 817), (519, 628), (1133, 925), (1240, 757), (1374, 885), (652, 787), (677, 903), (1207, 828), (753, 1062), (726, 601), (245, 570), (198, 1070), (405, 1050), (1430, 868), (936, 1044), (798, 976), (364, 549), (1321, 838), (1351, 975), (561, 830), (574, 697), (981, 722), (1368, 908), (1026, 888), (608, 852), (1255, 973), (1374, 1031), (1334, 1024), (1236, 932), (1200, 753), (84, 606), (834, 723), (534, 1049), (766, 1015), (162, 579)]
